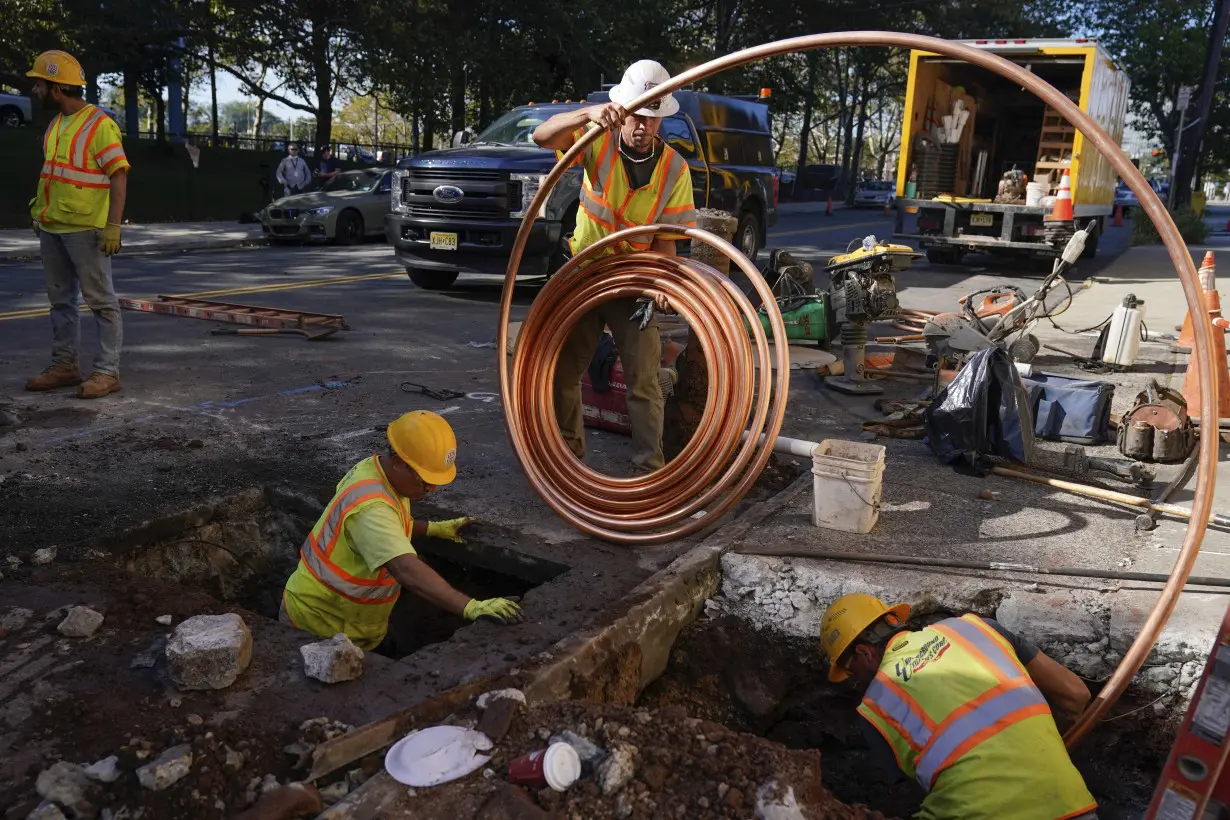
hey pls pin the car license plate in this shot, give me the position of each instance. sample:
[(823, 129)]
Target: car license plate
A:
[(976, 220), (443, 241)]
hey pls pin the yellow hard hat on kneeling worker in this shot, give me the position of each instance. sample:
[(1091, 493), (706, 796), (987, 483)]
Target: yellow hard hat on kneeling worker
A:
[(846, 619), (426, 442), (57, 67)]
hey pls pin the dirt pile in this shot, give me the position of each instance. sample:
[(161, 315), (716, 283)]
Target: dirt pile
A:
[(669, 765)]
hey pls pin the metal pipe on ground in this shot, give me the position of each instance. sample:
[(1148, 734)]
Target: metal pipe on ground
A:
[(991, 566), (547, 473)]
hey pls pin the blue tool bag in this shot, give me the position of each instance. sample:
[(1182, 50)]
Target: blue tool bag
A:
[(1071, 410)]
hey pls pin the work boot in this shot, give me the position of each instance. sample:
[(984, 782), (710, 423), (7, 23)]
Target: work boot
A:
[(98, 385), (57, 375)]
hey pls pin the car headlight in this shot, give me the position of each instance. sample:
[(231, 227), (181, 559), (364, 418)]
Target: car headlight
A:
[(399, 207), (529, 184), (319, 211)]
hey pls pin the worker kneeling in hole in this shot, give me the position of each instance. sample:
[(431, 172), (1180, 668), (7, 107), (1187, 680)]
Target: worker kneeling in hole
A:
[(360, 554), (963, 707), (632, 178)]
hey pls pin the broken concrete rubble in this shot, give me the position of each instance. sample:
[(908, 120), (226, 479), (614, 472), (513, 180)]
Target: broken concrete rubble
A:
[(332, 661), (66, 785), (46, 811), (81, 622), (105, 770), (777, 802), (168, 768), (43, 556), (618, 768), (209, 651)]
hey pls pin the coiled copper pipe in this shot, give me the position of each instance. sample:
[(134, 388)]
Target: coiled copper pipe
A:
[(714, 468), (529, 451)]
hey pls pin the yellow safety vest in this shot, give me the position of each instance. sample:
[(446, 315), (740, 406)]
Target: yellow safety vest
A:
[(966, 721), (609, 204), (80, 153), (332, 590)]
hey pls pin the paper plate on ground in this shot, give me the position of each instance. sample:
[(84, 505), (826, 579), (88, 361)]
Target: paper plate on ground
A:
[(436, 755)]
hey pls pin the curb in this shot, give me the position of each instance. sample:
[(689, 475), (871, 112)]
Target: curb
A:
[(159, 250)]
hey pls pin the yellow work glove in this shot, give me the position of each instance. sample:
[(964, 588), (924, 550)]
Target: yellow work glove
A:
[(450, 529), (497, 609), (109, 242)]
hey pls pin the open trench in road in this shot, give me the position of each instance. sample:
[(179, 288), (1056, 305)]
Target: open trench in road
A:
[(656, 652)]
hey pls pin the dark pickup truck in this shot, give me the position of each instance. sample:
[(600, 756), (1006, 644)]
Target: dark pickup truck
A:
[(457, 211)]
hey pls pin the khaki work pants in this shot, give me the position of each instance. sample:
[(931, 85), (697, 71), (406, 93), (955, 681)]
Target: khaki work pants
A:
[(640, 352)]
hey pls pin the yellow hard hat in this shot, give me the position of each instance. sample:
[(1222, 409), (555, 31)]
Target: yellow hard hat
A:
[(57, 67), (846, 619), (426, 442)]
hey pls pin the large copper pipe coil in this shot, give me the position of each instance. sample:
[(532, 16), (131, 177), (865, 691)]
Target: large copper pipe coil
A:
[(531, 451), (746, 388)]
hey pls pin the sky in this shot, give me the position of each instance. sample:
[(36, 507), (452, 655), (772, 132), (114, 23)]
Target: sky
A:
[(230, 89)]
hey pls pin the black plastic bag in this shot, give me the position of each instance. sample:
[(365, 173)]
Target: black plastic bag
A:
[(985, 410)]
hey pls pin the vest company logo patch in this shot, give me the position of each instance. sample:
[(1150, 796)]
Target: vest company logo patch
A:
[(450, 458), (910, 665)]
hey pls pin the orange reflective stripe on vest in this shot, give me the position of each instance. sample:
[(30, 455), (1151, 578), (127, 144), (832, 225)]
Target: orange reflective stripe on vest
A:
[(1012, 700), (317, 549)]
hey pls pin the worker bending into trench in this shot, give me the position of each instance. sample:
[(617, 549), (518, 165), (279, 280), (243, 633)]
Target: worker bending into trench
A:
[(962, 706), (632, 178), (360, 554)]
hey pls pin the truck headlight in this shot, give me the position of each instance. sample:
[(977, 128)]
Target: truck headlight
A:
[(529, 185), (398, 206)]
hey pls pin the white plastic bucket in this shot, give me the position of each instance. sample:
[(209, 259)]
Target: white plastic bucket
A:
[(1034, 191), (847, 484)]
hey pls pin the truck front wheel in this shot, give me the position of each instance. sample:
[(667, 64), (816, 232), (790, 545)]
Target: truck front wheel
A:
[(747, 236), (432, 279)]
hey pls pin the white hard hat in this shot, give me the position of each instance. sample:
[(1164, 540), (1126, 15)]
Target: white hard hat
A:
[(640, 77)]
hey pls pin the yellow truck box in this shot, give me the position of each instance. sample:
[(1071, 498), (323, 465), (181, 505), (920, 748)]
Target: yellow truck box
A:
[(964, 127)]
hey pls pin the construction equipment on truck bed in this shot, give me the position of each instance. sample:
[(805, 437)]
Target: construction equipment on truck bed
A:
[(1018, 133), (320, 324)]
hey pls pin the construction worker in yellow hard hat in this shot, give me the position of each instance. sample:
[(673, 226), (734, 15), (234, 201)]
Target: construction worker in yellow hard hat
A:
[(631, 177), (359, 556), (77, 211), (963, 707)]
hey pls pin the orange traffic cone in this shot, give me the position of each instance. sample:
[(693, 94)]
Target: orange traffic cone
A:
[(1187, 337), (828, 211), (1191, 382), (1118, 216), (1062, 212)]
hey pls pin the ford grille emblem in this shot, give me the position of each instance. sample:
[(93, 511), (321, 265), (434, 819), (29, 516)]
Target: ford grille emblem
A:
[(448, 194)]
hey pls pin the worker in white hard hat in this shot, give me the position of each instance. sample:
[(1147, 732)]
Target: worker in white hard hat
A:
[(963, 707), (76, 211), (632, 177)]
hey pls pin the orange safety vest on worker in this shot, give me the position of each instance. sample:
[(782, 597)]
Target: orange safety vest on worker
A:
[(966, 721), (80, 153), (333, 589), (609, 203)]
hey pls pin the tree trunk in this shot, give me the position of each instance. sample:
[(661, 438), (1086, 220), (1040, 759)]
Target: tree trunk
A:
[(160, 121), (132, 98), (324, 83), (1189, 147), (809, 101), (857, 158), (213, 97), (429, 126)]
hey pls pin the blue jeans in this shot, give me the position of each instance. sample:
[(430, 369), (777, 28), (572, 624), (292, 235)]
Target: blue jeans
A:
[(74, 266)]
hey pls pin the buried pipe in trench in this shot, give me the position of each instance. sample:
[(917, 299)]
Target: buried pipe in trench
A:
[(955, 563), (644, 503)]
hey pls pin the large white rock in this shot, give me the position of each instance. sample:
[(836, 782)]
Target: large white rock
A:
[(332, 661), (209, 651), (170, 767), (104, 771), (66, 785), (777, 802), (46, 811), (81, 622), (617, 769)]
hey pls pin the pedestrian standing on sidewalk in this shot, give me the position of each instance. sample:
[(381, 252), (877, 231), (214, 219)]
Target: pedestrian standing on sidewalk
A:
[(293, 172), (77, 212)]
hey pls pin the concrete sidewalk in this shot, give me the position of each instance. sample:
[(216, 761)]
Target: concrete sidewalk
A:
[(165, 237), (791, 208)]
